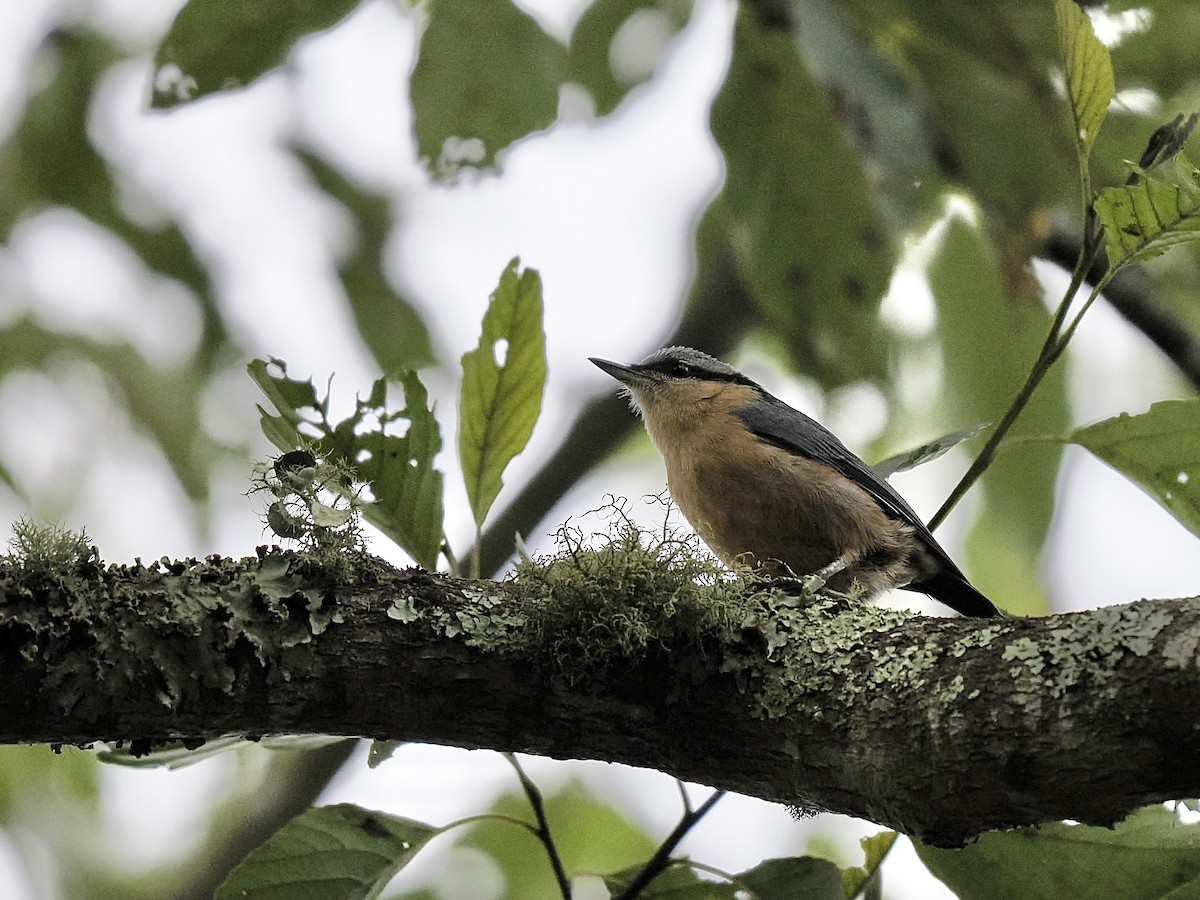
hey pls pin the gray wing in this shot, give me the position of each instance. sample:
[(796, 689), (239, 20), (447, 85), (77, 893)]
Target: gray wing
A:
[(775, 422)]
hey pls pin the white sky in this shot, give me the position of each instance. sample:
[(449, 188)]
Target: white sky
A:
[(613, 283)]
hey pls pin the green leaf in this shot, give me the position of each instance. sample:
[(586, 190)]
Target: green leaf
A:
[(988, 342), (1089, 73), (794, 878), (876, 847), (503, 380), (214, 45), (927, 452), (801, 221), (1146, 219), (1150, 854), (407, 489), (590, 61), (338, 852), (487, 75), (677, 882), (591, 836), (1159, 451)]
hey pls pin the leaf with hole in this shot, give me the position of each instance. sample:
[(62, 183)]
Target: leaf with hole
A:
[(214, 45), (503, 381), (1145, 219)]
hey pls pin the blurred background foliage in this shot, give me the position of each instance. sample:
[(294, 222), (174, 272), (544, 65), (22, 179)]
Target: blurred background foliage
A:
[(854, 135)]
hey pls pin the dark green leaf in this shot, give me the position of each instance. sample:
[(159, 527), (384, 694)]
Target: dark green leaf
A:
[(487, 75), (794, 878), (503, 380), (801, 221), (677, 882), (1089, 72), (407, 489), (1159, 451), (1149, 855), (215, 45), (927, 452), (338, 852), (984, 72), (591, 54), (1146, 219)]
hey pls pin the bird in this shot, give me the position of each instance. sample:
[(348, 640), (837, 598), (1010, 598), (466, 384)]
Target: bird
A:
[(765, 485)]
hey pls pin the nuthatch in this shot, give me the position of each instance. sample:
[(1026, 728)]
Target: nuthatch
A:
[(764, 484)]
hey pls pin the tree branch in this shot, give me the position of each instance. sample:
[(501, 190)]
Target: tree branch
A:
[(940, 728)]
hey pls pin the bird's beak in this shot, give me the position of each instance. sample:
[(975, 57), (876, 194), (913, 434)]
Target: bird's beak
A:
[(627, 375)]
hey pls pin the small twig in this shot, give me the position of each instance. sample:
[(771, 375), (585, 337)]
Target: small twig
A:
[(1132, 294), (542, 831), (683, 795), (1052, 348), (662, 857)]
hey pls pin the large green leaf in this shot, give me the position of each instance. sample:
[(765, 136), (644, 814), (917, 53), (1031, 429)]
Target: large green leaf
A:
[(989, 341), (407, 489), (503, 380), (807, 239), (1146, 219), (1159, 451), (883, 112), (338, 852), (1149, 855), (1089, 72), (590, 61), (985, 73), (215, 45), (486, 73)]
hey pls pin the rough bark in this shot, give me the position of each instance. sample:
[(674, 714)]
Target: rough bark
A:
[(941, 728)]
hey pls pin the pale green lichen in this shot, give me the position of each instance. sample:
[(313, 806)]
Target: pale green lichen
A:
[(1086, 647), (105, 633), (1183, 650)]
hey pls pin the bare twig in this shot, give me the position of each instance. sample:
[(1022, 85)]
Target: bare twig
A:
[(662, 857), (542, 832)]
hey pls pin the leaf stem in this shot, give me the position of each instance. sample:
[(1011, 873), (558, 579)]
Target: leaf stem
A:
[(542, 831), (1052, 348), (662, 857)]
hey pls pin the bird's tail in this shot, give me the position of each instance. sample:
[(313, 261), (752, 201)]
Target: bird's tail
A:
[(957, 593)]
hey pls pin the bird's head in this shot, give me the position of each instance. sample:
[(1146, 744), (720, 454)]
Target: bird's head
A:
[(674, 380)]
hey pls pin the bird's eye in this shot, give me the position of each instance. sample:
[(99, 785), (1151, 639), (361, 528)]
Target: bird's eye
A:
[(681, 369)]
